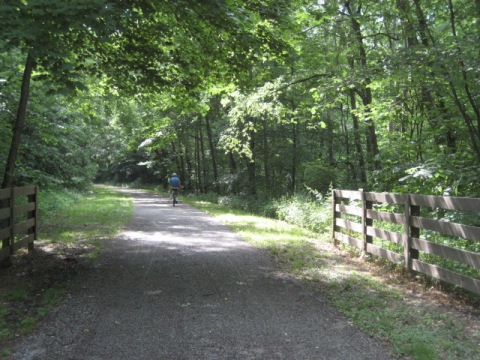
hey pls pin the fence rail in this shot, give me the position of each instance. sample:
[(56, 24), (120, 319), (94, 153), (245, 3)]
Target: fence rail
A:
[(363, 215), (18, 219)]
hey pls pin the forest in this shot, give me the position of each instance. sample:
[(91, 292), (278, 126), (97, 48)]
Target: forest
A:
[(255, 99)]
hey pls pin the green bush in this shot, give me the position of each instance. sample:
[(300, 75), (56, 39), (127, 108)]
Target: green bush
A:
[(246, 203), (303, 211), (51, 202)]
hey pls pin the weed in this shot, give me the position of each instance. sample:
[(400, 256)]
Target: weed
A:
[(4, 353), (4, 331), (28, 324), (19, 293)]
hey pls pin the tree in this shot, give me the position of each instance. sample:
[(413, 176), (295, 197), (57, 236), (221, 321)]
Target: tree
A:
[(47, 45), (244, 97), (145, 45)]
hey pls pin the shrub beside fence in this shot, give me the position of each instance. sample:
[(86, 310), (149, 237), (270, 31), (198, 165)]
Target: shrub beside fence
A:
[(359, 220), (18, 219)]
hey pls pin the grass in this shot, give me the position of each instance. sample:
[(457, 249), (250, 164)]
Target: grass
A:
[(90, 217), (73, 227), (414, 329)]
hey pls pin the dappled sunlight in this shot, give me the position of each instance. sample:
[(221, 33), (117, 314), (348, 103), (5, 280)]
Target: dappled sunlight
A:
[(334, 273), (254, 225), (294, 248), (188, 247), (256, 221), (185, 230), (209, 242), (157, 224)]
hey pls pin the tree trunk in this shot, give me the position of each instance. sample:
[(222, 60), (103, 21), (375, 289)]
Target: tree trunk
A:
[(356, 139), (473, 132), (205, 172), (198, 163), (162, 155), (213, 154), (266, 159), (330, 139), (233, 172), (293, 184), (19, 123), (176, 156), (365, 92), (430, 105), (251, 168), (189, 164), (232, 163)]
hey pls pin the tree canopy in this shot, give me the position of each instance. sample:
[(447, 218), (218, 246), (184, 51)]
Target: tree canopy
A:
[(254, 98)]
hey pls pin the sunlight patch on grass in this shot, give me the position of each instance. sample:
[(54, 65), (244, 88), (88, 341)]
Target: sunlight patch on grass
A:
[(92, 217), (262, 230)]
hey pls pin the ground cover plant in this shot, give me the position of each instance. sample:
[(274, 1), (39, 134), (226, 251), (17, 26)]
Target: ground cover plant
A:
[(415, 319), (72, 228)]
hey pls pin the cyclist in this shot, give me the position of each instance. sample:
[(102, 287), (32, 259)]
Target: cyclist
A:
[(175, 184)]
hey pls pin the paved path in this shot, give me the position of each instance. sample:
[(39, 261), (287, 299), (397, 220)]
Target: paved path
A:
[(177, 284)]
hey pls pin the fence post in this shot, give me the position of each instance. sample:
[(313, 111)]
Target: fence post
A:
[(410, 232), (5, 260), (12, 218), (366, 205), (334, 217), (33, 215)]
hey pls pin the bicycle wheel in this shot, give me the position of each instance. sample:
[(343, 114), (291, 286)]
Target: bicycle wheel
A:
[(174, 196)]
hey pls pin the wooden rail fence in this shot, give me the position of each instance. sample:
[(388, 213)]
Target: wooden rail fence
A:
[(364, 215), (18, 219)]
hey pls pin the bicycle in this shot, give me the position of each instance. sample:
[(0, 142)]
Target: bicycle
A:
[(174, 192)]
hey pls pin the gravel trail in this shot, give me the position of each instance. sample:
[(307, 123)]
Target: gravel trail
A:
[(177, 284)]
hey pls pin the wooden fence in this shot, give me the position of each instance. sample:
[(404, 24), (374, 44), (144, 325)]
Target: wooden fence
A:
[(18, 219), (364, 216)]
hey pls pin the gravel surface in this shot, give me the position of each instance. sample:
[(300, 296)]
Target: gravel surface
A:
[(177, 284)]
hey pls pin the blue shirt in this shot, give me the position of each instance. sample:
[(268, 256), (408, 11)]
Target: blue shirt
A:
[(174, 182)]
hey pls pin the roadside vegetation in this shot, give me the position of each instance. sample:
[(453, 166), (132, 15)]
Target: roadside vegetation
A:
[(409, 313), (73, 227)]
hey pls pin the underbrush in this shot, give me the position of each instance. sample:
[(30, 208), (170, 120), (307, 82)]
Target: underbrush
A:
[(302, 211), (299, 210), (53, 202)]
